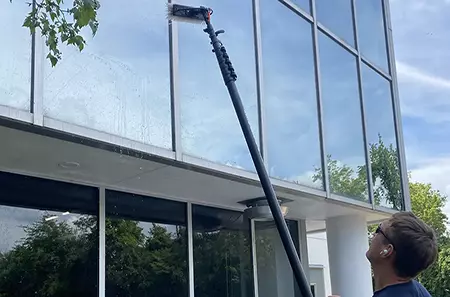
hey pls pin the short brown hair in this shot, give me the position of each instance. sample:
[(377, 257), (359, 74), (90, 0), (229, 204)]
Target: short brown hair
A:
[(414, 242)]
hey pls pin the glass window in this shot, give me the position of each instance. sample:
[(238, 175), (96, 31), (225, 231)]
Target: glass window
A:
[(342, 120), (146, 246), (289, 95), (337, 16), (210, 128), (48, 238), (120, 83), (381, 138), (371, 32), (15, 58), (222, 253), (275, 276)]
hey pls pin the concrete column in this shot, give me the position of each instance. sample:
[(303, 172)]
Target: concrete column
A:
[(347, 245)]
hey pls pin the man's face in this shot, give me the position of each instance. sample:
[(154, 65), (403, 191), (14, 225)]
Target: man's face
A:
[(378, 245)]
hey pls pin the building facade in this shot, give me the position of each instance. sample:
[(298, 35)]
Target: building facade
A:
[(124, 172)]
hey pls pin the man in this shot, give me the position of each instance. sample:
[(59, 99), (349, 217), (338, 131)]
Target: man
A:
[(400, 249)]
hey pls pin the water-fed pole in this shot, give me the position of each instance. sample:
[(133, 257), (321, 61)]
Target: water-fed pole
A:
[(203, 15)]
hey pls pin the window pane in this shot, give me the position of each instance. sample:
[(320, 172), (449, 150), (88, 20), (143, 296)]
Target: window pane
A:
[(48, 238), (289, 96), (15, 58), (210, 128), (336, 15), (371, 34), (275, 276), (381, 138), (119, 84), (342, 120), (146, 246), (222, 253)]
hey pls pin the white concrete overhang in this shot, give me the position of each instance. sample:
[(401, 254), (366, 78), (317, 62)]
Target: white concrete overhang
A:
[(53, 154)]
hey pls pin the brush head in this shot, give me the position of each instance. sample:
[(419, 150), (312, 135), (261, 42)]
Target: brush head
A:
[(183, 13)]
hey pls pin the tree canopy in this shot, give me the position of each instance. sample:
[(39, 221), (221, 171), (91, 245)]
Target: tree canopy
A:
[(60, 23), (352, 182), (61, 259)]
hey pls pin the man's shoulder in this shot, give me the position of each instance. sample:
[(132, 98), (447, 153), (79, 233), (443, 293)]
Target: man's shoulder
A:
[(409, 289)]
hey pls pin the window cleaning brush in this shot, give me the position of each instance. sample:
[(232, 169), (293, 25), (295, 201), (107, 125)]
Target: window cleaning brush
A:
[(202, 15)]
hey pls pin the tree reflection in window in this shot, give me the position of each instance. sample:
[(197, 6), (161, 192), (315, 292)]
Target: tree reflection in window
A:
[(222, 253), (48, 238), (146, 246)]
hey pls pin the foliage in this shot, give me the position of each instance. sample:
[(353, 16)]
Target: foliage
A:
[(351, 182), (386, 171), (62, 24), (61, 259), (344, 180), (428, 205)]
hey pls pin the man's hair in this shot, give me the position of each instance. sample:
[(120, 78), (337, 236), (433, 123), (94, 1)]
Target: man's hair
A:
[(414, 242)]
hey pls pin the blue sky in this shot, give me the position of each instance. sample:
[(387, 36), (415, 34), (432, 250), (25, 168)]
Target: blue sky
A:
[(422, 46), (120, 83)]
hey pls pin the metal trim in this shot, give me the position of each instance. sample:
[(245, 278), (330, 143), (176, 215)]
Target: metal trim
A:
[(396, 107), (38, 80), (303, 244), (175, 108), (33, 61), (16, 114), (351, 201), (384, 209), (102, 243), (369, 178), (375, 68), (254, 258), (108, 138), (190, 249), (323, 152), (337, 39), (259, 82), (295, 8)]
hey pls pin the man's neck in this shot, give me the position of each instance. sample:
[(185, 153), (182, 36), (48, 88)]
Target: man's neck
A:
[(386, 277)]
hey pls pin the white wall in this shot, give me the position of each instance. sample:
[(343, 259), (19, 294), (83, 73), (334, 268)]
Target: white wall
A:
[(318, 256)]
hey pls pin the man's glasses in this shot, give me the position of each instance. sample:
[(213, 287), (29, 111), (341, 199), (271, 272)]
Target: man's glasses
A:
[(380, 231)]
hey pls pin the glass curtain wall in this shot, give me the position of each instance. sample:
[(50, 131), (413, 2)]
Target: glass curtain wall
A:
[(222, 253), (275, 276), (15, 55), (49, 245), (146, 246), (48, 238), (122, 86)]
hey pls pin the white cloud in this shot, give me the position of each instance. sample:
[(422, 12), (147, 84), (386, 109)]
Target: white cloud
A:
[(423, 51), (408, 72)]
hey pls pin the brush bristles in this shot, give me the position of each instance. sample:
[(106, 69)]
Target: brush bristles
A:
[(187, 14)]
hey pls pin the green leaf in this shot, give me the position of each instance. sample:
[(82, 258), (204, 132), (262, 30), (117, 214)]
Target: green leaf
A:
[(53, 59)]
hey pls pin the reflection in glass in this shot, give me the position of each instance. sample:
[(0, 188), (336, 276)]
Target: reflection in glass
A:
[(120, 83), (337, 16), (146, 246), (342, 121), (275, 276), (371, 31), (289, 95), (48, 238), (381, 138), (15, 55), (210, 128), (222, 253)]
